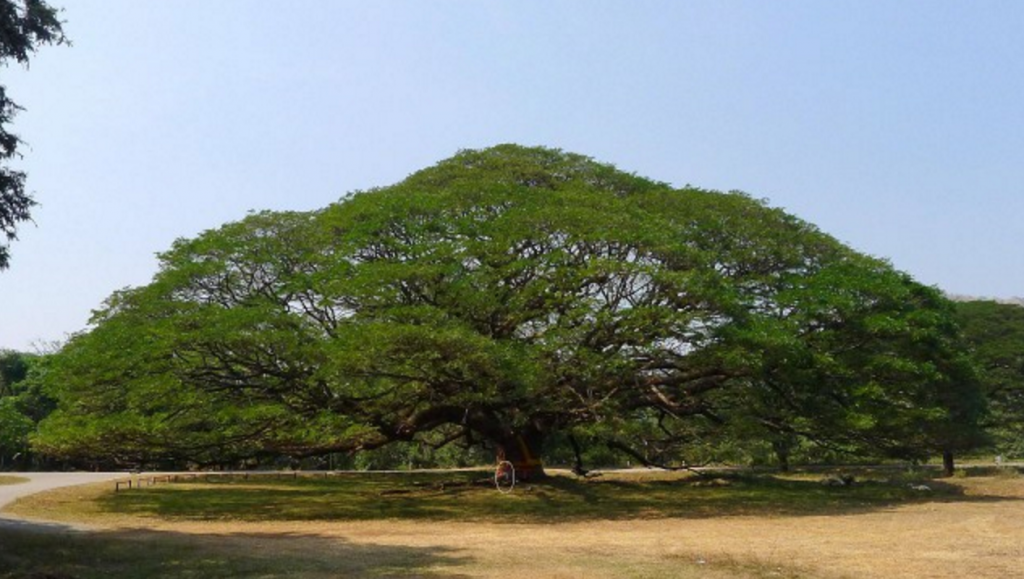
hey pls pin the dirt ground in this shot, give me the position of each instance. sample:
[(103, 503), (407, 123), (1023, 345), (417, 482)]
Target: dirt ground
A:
[(980, 535), (977, 535)]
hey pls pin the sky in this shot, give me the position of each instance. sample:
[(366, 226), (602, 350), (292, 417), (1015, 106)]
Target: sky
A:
[(897, 127)]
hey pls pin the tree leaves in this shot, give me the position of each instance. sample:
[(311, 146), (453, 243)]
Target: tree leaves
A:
[(24, 26), (509, 294)]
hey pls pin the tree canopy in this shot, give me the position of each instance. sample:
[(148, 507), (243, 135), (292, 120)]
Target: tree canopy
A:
[(995, 331), (24, 26), (22, 405), (505, 296)]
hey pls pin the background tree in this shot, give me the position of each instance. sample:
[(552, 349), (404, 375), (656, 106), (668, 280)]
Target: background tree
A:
[(15, 428), (996, 334), (14, 368), (24, 26), (505, 297), (23, 404), (873, 364)]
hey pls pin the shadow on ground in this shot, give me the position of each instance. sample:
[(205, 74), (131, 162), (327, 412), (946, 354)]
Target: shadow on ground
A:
[(460, 496), (28, 554)]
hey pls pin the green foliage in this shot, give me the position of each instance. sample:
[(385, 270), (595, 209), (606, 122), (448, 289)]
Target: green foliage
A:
[(23, 403), (995, 332), (14, 429), (13, 369), (504, 297), (24, 26), (871, 361)]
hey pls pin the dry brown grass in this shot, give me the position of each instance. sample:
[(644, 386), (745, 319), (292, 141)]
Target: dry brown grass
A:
[(980, 534), (11, 480)]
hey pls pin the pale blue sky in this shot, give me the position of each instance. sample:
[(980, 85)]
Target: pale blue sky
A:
[(896, 126)]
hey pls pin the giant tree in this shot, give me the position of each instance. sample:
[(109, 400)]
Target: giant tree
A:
[(500, 297), (873, 362), (24, 26), (132, 389)]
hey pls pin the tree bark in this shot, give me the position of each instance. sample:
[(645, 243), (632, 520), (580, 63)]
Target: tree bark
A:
[(781, 449), (948, 466), (523, 449)]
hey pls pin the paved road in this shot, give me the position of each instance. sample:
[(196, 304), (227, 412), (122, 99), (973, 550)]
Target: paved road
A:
[(44, 481)]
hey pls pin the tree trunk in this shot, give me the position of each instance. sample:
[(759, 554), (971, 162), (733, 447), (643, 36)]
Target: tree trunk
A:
[(782, 449), (523, 451), (947, 463)]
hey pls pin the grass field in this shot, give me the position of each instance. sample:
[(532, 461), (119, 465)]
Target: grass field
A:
[(469, 496), (616, 526), (11, 480)]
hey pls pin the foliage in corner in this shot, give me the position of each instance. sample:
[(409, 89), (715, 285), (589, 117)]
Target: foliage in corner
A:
[(24, 26)]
